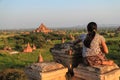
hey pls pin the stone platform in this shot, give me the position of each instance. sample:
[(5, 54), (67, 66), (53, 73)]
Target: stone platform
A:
[(46, 71), (68, 62), (61, 54), (97, 72)]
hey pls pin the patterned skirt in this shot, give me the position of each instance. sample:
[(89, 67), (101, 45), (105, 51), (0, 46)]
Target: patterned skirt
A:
[(94, 60)]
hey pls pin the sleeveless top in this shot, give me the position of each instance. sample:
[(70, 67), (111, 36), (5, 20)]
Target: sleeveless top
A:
[(94, 45)]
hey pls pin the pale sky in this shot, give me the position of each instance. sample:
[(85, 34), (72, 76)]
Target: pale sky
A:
[(57, 13)]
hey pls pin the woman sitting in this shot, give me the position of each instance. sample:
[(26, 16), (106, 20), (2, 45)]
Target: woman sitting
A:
[(94, 47)]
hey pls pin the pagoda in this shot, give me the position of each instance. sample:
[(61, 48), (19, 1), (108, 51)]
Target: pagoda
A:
[(28, 48), (42, 28)]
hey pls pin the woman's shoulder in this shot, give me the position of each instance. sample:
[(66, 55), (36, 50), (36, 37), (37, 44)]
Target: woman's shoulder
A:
[(101, 37)]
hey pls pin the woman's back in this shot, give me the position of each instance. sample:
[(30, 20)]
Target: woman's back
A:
[(94, 46)]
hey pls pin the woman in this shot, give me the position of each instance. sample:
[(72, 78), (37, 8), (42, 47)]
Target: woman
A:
[(94, 47)]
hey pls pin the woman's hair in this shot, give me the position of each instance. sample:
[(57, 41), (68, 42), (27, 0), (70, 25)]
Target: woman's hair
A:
[(91, 28)]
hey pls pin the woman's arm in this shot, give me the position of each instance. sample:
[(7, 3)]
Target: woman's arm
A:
[(104, 47)]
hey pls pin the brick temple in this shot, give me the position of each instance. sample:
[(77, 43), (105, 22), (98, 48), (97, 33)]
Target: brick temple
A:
[(42, 28)]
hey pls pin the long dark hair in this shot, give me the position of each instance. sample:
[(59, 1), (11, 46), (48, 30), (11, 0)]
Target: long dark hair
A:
[(91, 28)]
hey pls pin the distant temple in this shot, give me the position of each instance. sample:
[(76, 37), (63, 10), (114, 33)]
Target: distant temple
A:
[(72, 37), (118, 30), (34, 47), (42, 28), (28, 48), (7, 48)]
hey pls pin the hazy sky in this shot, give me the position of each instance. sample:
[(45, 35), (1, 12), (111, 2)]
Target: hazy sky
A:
[(57, 13)]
